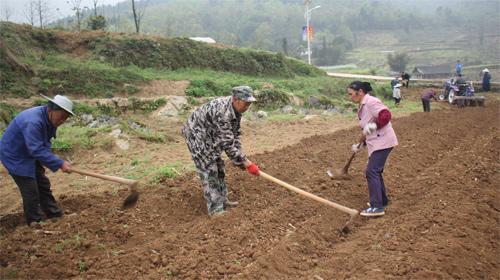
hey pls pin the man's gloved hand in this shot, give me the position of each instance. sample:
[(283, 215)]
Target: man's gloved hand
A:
[(253, 169), (356, 148), (369, 128)]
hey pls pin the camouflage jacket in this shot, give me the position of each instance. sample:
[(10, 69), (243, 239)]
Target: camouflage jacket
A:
[(212, 128)]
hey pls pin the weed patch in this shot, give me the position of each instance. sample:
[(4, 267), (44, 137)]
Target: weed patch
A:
[(147, 106), (71, 137), (7, 113), (165, 172), (82, 266), (271, 99), (91, 79)]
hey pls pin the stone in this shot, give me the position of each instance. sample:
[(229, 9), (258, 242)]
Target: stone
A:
[(168, 110), (309, 117), (262, 115), (122, 102), (122, 144), (178, 102), (87, 118), (287, 109), (116, 133), (313, 101), (303, 111)]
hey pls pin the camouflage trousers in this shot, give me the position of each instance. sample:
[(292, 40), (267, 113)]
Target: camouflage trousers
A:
[(214, 186)]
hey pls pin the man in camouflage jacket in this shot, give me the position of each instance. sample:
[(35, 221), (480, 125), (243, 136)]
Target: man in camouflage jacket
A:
[(212, 128)]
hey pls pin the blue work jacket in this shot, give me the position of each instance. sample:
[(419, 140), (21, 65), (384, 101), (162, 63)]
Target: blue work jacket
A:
[(26, 140)]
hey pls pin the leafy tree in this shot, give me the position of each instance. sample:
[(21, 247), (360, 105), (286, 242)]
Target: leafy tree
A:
[(97, 22), (398, 61)]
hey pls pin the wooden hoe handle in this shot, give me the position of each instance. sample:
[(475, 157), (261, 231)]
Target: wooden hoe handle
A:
[(106, 177), (342, 208)]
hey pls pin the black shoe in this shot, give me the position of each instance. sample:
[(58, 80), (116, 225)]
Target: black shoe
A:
[(54, 215), (35, 225)]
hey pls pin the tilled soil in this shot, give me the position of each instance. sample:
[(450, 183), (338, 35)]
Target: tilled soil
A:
[(441, 223)]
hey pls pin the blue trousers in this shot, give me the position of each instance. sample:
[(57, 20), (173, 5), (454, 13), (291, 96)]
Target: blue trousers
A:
[(374, 170)]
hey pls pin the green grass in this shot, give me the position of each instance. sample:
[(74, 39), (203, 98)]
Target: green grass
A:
[(404, 107), (64, 75), (143, 168), (71, 137), (168, 171), (284, 117), (82, 266)]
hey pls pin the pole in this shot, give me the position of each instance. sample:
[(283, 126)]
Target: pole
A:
[(308, 35)]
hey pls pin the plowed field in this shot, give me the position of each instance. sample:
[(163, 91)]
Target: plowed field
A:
[(442, 221)]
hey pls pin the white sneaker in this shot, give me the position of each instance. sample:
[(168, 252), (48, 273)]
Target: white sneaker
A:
[(372, 212)]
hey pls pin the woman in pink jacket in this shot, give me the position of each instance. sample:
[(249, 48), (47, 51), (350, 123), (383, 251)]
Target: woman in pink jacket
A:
[(378, 135)]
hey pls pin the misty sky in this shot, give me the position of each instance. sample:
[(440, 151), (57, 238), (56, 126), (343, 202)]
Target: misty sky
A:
[(17, 8)]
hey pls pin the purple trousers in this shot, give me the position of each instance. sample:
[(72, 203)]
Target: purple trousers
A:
[(374, 170)]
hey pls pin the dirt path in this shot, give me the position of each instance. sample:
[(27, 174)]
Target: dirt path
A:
[(442, 221)]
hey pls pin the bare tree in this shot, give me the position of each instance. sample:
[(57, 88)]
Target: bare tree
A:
[(30, 12), (6, 13), (42, 11), (138, 14), (76, 5), (94, 2)]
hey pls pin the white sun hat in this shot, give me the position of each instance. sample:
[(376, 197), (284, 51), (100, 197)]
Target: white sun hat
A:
[(61, 101), (486, 70)]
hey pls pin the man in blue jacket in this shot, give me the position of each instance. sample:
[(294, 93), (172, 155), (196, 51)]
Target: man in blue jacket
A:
[(25, 149), (458, 68)]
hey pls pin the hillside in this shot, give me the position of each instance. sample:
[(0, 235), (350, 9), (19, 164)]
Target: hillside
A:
[(104, 64), (345, 31)]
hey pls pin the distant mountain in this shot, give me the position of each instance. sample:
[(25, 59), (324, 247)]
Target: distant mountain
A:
[(341, 25)]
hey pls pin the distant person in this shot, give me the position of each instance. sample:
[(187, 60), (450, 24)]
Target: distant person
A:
[(405, 77), (394, 82), (486, 79), (396, 94), (25, 149), (426, 99), (378, 135), (460, 80), (212, 128), (458, 68)]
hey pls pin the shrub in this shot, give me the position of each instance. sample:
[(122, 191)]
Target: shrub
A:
[(7, 112), (271, 99), (204, 88), (146, 105), (83, 108), (97, 22)]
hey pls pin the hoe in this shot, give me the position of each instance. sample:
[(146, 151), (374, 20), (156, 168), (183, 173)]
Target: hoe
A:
[(352, 212), (131, 199), (341, 173)]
